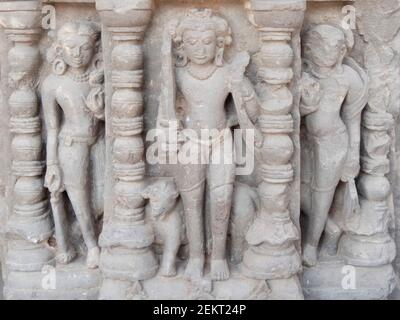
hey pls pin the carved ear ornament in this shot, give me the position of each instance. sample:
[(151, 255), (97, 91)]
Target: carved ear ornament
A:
[(219, 57), (59, 66)]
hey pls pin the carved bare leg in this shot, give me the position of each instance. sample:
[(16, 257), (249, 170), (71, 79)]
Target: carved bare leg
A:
[(168, 264), (331, 238), (193, 207), (321, 203), (80, 202), (243, 212), (220, 202), (65, 252), (172, 241)]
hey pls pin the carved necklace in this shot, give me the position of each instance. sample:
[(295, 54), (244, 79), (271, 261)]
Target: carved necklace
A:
[(202, 75), (84, 77)]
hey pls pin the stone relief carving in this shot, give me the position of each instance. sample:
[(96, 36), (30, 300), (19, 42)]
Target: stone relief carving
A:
[(203, 82), (380, 164), (203, 232), (334, 93), (73, 106), (165, 213)]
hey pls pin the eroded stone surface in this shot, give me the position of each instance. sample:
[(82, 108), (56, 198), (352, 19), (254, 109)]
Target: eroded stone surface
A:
[(92, 206)]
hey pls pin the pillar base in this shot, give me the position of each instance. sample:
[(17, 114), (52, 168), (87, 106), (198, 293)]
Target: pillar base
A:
[(23, 256), (367, 251), (128, 264), (263, 262), (34, 229), (129, 236)]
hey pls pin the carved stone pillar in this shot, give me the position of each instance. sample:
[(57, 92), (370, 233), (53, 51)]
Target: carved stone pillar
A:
[(272, 253), (126, 239), (367, 242), (29, 223)]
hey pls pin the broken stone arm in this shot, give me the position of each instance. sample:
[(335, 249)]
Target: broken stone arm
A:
[(52, 121), (353, 105)]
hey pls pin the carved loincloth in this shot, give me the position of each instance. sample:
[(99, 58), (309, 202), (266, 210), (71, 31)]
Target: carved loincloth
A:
[(214, 161)]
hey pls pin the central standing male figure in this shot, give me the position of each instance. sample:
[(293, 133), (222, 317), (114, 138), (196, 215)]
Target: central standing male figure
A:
[(203, 83)]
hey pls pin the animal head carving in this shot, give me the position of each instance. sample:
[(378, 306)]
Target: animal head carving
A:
[(162, 196)]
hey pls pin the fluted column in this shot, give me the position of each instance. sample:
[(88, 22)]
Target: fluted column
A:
[(29, 224), (126, 238), (272, 252)]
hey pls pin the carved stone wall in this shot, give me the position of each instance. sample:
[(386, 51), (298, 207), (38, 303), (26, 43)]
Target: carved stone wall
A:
[(97, 99)]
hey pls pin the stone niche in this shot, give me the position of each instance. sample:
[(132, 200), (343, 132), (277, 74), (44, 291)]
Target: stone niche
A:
[(114, 113)]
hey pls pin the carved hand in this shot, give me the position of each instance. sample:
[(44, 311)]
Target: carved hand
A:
[(53, 178), (310, 93), (350, 171), (95, 102)]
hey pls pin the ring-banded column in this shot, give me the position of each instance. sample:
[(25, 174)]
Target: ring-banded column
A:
[(126, 238), (272, 252), (367, 243), (29, 223)]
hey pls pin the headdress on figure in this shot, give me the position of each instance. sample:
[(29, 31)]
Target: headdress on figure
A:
[(202, 20)]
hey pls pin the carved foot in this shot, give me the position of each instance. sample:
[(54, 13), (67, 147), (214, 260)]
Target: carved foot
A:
[(310, 255), (93, 258), (194, 268), (66, 257), (219, 270), (168, 269)]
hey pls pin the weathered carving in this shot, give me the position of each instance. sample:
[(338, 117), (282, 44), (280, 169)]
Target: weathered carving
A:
[(73, 105), (165, 213), (333, 96), (272, 253), (29, 223), (203, 82), (368, 241), (245, 205), (380, 160), (325, 145), (127, 257)]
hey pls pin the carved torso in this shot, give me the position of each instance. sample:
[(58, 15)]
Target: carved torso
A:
[(205, 99), (70, 95), (327, 119)]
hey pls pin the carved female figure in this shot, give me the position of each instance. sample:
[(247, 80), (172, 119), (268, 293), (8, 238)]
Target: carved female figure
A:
[(73, 108), (203, 82), (334, 94)]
